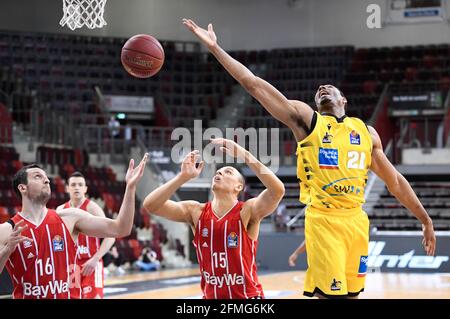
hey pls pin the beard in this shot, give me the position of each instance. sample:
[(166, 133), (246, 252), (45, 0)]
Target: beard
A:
[(42, 198)]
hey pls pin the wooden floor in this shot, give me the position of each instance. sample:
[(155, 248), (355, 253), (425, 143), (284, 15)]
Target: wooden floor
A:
[(290, 285)]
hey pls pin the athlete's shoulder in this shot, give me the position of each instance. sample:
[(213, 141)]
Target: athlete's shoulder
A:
[(67, 212), (93, 208), (53, 214), (358, 120)]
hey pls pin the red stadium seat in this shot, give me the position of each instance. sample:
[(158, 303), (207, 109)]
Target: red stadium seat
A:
[(4, 214), (135, 247)]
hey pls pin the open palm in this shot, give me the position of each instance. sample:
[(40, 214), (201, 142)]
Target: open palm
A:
[(230, 147), (208, 37), (134, 174)]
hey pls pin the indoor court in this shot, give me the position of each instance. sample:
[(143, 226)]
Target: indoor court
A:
[(184, 285)]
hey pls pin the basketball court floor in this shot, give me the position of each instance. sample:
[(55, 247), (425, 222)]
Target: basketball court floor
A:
[(185, 284)]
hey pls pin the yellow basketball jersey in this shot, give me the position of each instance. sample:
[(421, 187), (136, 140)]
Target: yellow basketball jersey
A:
[(333, 162)]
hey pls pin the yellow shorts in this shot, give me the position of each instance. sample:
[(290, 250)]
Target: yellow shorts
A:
[(337, 248)]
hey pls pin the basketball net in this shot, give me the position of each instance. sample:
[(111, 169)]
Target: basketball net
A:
[(79, 13)]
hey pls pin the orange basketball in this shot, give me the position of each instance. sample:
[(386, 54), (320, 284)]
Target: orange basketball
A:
[(142, 56)]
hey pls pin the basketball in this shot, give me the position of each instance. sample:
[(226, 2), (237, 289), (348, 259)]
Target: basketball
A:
[(142, 56)]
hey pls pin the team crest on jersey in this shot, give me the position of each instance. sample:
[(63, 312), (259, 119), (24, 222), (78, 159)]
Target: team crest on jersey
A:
[(328, 158), (26, 244), (58, 244), (327, 138), (355, 139), (205, 232), (232, 240)]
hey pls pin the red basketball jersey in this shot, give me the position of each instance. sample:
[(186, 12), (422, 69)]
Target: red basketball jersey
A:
[(87, 246), (45, 267), (226, 255)]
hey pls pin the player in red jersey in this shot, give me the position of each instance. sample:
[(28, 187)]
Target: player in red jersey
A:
[(90, 251), (226, 230), (38, 244)]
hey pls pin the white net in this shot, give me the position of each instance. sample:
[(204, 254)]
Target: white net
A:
[(79, 13)]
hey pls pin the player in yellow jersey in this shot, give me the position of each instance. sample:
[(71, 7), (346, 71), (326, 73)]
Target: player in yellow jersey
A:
[(334, 153)]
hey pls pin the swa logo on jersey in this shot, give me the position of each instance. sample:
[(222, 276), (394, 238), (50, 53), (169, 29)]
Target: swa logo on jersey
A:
[(328, 158), (232, 240), (58, 244)]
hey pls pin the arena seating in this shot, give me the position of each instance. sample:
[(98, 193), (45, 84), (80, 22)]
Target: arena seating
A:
[(63, 69), (372, 68), (389, 214)]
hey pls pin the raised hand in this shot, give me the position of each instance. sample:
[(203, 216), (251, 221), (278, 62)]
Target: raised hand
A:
[(189, 167), (231, 148), (134, 174), (208, 37), (15, 237)]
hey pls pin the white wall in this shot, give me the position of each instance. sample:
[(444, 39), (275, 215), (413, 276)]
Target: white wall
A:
[(240, 24), (418, 156)]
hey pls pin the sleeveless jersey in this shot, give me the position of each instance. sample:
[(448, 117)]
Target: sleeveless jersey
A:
[(45, 267), (333, 162), (87, 246), (226, 255)]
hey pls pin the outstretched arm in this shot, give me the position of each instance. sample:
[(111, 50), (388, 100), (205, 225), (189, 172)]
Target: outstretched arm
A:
[(104, 227), (158, 202), (400, 188), (290, 112), (268, 200)]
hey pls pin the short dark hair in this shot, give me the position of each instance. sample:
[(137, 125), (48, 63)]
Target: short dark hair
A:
[(21, 177), (77, 174)]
